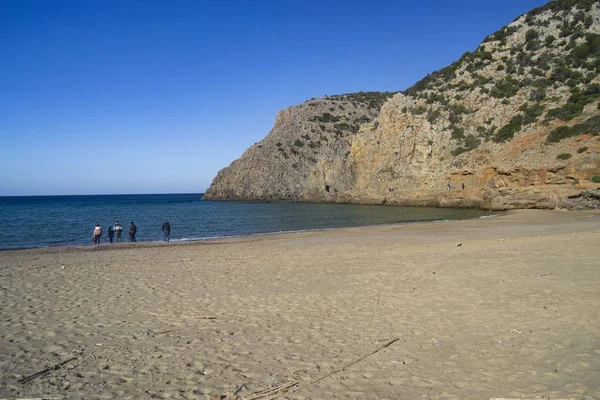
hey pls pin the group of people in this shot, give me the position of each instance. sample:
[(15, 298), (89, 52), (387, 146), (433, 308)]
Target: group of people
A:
[(114, 232)]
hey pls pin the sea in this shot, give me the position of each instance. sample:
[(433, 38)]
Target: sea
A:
[(44, 221)]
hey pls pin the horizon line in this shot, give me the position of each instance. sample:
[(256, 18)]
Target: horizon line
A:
[(98, 194)]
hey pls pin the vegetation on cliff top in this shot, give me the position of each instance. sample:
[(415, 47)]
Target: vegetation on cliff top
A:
[(526, 66), (373, 100), (529, 64), (545, 51)]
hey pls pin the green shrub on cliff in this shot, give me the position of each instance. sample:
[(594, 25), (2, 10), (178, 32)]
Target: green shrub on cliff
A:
[(533, 45), (531, 113), (457, 132), (362, 119), (373, 100), (564, 156), (558, 133), (531, 34), (508, 131), (586, 96), (565, 113), (343, 126), (458, 151), (591, 126), (432, 115), (470, 142), (501, 35), (506, 87), (326, 117), (563, 74), (419, 110), (537, 94)]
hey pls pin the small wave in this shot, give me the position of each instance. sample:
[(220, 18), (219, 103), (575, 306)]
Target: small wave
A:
[(185, 239), (196, 239), (489, 216)]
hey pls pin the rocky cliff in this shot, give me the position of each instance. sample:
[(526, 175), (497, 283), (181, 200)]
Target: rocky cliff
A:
[(514, 124)]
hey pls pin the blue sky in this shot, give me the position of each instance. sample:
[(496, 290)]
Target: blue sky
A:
[(100, 97)]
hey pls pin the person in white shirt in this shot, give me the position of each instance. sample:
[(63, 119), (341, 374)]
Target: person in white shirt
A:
[(97, 234), (117, 228)]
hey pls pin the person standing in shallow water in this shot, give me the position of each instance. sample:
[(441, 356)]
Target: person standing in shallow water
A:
[(111, 233), (132, 231), (166, 229), (118, 228), (97, 234)]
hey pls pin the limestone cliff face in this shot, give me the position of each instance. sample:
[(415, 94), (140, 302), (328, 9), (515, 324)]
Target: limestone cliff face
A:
[(513, 124), (305, 157)]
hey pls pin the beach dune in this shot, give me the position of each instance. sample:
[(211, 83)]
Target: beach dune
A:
[(503, 307)]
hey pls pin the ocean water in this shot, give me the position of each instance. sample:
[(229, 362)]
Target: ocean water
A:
[(40, 221)]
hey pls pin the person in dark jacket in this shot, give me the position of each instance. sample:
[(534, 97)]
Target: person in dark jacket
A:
[(166, 229), (132, 231), (111, 233)]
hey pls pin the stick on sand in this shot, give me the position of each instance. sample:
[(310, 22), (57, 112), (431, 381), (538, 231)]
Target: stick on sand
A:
[(45, 371), (354, 362), (271, 392)]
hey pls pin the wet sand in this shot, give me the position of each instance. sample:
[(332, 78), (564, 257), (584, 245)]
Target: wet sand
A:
[(503, 307)]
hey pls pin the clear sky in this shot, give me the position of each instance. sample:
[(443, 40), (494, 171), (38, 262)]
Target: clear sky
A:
[(124, 96)]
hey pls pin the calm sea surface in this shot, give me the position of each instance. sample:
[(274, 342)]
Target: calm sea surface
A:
[(40, 221)]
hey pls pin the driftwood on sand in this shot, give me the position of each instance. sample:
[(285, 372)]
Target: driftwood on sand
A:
[(356, 361), (45, 371), (279, 390)]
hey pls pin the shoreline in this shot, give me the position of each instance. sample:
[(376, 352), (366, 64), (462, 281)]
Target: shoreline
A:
[(501, 307), (128, 244)]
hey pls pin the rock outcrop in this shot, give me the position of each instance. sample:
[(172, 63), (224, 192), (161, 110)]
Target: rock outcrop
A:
[(514, 124)]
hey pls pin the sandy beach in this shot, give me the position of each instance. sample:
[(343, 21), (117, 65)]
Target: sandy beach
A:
[(503, 307)]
